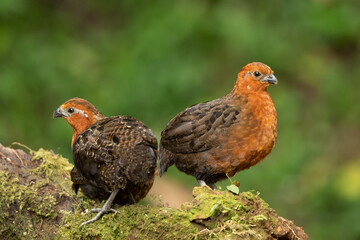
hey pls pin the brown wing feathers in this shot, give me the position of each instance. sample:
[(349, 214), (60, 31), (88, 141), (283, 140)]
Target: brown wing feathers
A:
[(110, 149)]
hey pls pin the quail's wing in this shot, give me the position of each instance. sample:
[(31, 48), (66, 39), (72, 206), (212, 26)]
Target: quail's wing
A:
[(198, 127), (105, 140), (107, 148)]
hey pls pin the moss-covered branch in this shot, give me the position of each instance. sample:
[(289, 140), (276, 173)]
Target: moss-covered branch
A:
[(36, 202)]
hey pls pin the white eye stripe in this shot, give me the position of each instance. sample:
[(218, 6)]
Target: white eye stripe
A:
[(83, 113), (80, 112)]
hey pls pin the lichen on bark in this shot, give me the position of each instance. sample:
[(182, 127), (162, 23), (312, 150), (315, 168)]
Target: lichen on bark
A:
[(36, 202)]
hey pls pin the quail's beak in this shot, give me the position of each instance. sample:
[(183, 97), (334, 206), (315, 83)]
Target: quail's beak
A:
[(270, 79), (58, 113)]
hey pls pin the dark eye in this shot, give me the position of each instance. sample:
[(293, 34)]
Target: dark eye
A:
[(257, 74), (70, 110)]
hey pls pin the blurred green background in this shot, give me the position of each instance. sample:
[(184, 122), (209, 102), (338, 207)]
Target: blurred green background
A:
[(151, 59)]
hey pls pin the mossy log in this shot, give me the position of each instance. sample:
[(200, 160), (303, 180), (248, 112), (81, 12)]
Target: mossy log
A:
[(37, 202)]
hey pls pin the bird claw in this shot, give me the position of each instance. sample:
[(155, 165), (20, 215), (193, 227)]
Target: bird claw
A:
[(113, 210), (100, 209), (105, 209), (100, 212), (93, 210)]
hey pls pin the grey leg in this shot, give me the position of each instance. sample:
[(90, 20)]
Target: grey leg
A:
[(203, 183), (131, 197), (212, 186), (105, 209)]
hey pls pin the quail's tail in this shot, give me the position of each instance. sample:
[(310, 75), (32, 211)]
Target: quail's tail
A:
[(165, 159)]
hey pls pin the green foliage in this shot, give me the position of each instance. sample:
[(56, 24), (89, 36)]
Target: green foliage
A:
[(151, 59), (233, 188)]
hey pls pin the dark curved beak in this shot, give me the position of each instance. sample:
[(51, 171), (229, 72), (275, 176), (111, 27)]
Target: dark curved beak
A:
[(58, 113), (270, 79)]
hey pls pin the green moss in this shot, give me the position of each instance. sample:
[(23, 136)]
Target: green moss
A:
[(136, 221), (216, 215), (29, 195), (9, 189), (259, 217), (225, 214), (53, 168), (11, 192), (209, 203), (19, 201)]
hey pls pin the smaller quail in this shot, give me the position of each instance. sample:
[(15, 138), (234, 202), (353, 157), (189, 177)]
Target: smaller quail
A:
[(114, 157)]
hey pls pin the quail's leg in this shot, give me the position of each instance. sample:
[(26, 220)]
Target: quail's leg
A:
[(203, 183), (131, 197), (212, 186), (105, 209)]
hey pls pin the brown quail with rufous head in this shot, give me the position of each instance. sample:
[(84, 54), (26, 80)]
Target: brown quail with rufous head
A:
[(114, 157), (216, 139)]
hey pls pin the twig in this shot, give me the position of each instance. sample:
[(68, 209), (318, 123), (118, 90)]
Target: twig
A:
[(8, 160), (17, 155), (21, 145), (52, 153), (227, 175), (292, 230)]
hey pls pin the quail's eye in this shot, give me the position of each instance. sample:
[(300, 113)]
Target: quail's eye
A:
[(70, 110), (257, 74)]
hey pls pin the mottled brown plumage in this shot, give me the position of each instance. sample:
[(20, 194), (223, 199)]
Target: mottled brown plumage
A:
[(219, 138), (114, 157)]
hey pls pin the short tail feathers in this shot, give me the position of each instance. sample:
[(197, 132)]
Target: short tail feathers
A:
[(77, 179), (165, 159)]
